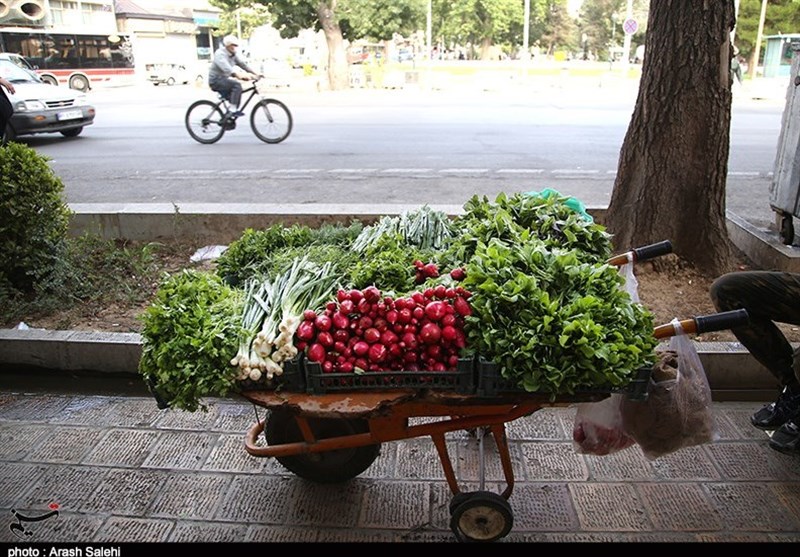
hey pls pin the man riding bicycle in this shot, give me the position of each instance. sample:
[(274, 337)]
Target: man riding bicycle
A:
[(226, 69)]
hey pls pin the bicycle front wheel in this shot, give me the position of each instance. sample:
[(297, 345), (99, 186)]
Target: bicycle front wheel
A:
[(271, 121), (204, 122)]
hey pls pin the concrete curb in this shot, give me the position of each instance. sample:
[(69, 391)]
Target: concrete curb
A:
[(732, 373)]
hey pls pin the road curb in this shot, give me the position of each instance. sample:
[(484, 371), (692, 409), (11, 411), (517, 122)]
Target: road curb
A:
[(733, 373)]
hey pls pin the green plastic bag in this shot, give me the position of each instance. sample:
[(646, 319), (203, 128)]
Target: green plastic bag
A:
[(571, 202)]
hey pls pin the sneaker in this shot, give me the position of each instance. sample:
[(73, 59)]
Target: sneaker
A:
[(786, 439), (237, 114), (774, 415)]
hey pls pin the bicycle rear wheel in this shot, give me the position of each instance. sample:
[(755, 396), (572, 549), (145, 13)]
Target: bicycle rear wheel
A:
[(271, 121), (204, 122)]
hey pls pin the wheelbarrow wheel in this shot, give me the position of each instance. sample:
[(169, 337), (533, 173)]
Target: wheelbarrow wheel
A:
[(334, 466), (480, 516)]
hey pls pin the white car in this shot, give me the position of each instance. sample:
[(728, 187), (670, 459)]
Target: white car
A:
[(43, 108), (172, 74)]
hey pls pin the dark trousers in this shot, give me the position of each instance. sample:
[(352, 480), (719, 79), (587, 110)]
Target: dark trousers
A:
[(229, 87), (768, 297)]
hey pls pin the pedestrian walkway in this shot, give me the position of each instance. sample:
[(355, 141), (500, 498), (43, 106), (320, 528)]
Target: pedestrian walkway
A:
[(121, 470)]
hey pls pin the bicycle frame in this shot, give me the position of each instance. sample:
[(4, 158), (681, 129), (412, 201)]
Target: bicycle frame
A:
[(225, 102)]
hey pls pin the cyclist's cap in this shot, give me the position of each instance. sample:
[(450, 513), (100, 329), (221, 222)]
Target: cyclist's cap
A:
[(230, 40)]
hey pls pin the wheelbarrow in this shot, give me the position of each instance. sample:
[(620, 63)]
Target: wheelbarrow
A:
[(333, 437)]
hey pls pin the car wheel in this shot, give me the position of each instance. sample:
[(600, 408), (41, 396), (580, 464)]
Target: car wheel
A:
[(49, 80), (79, 83), (170, 81), (72, 132), (8, 135)]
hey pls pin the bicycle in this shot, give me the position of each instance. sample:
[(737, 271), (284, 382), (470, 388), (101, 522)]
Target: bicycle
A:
[(270, 119)]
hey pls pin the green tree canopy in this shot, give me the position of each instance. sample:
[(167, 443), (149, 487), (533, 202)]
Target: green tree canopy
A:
[(782, 17)]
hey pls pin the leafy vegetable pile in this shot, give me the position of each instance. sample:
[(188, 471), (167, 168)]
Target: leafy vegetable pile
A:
[(523, 283)]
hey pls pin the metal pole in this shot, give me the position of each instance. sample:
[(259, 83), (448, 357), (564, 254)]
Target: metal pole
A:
[(759, 36), (429, 30), (526, 37), (626, 46)]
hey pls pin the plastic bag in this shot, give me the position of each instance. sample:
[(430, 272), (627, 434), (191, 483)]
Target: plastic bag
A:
[(631, 283), (599, 429), (677, 412)]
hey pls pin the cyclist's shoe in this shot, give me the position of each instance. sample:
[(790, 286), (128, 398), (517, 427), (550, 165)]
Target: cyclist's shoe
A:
[(786, 439), (774, 415), (238, 113)]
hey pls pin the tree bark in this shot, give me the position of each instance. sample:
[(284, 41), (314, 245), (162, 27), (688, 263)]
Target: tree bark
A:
[(338, 77), (673, 163)]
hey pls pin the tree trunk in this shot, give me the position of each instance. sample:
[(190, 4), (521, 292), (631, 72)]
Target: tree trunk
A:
[(673, 164), (338, 77)]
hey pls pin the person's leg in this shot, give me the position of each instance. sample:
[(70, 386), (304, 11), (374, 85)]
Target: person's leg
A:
[(230, 89), (236, 94), (768, 297)]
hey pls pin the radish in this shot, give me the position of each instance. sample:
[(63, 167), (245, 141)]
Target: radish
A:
[(316, 353), (436, 310), (305, 331), (430, 333), (372, 335), (377, 353), (323, 323)]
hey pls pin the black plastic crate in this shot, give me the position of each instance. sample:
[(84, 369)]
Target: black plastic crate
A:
[(292, 379), (492, 383), (461, 381)]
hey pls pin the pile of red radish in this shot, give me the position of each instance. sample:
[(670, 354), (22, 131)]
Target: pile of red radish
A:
[(366, 331)]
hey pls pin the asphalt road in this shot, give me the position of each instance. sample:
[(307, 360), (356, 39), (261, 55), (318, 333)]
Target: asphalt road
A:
[(387, 146)]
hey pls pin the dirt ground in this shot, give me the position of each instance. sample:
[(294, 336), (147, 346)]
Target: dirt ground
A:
[(666, 287)]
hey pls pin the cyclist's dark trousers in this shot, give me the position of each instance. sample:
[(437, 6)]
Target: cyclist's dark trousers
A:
[(231, 88), (768, 297)]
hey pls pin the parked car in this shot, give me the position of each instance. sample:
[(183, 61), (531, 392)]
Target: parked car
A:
[(171, 74), (43, 108)]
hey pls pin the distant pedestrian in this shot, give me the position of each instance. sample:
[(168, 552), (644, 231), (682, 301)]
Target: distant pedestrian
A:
[(736, 66), (6, 109), (769, 297)]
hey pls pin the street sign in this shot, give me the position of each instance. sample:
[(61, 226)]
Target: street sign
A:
[(630, 26)]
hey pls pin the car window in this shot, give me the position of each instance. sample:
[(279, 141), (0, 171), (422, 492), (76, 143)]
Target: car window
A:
[(15, 74)]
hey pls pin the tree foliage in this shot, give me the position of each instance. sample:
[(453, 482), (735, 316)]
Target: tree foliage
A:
[(782, 17)]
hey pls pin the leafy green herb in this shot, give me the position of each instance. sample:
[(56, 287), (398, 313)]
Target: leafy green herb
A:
[(190, 331)]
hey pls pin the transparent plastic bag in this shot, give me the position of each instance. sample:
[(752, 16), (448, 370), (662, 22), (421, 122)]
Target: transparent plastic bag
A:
[(631, 283), (677, 412), (598, 427)]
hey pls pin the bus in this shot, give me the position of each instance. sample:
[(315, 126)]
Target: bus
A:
[(74, 59)]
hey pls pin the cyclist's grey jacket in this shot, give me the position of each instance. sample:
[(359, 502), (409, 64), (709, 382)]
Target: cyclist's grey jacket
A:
[(223, 65)]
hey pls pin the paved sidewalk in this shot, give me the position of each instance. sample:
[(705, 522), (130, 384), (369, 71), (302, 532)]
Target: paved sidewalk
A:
[(121, 470)]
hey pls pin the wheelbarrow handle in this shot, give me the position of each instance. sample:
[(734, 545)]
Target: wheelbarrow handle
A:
[(643, 253), (704, 323)]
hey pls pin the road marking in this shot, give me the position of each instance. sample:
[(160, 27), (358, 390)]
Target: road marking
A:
[(464, 171), (520, 171), (406, 170), (297, 170), (574, 171), (352, 170)]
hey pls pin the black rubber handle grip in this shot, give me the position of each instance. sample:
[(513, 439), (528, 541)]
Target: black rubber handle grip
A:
[(720, 321), (652, 251)]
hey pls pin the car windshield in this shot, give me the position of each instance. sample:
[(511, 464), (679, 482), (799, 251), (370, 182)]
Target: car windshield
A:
[(15, 74)]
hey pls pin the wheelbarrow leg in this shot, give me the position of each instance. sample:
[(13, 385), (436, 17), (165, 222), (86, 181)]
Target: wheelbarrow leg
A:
[(447, 465)]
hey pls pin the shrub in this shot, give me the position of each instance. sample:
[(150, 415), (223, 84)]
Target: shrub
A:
[(33, 219)]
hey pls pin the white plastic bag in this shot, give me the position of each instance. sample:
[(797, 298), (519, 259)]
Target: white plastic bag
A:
[(599, 429), (631, 283)]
